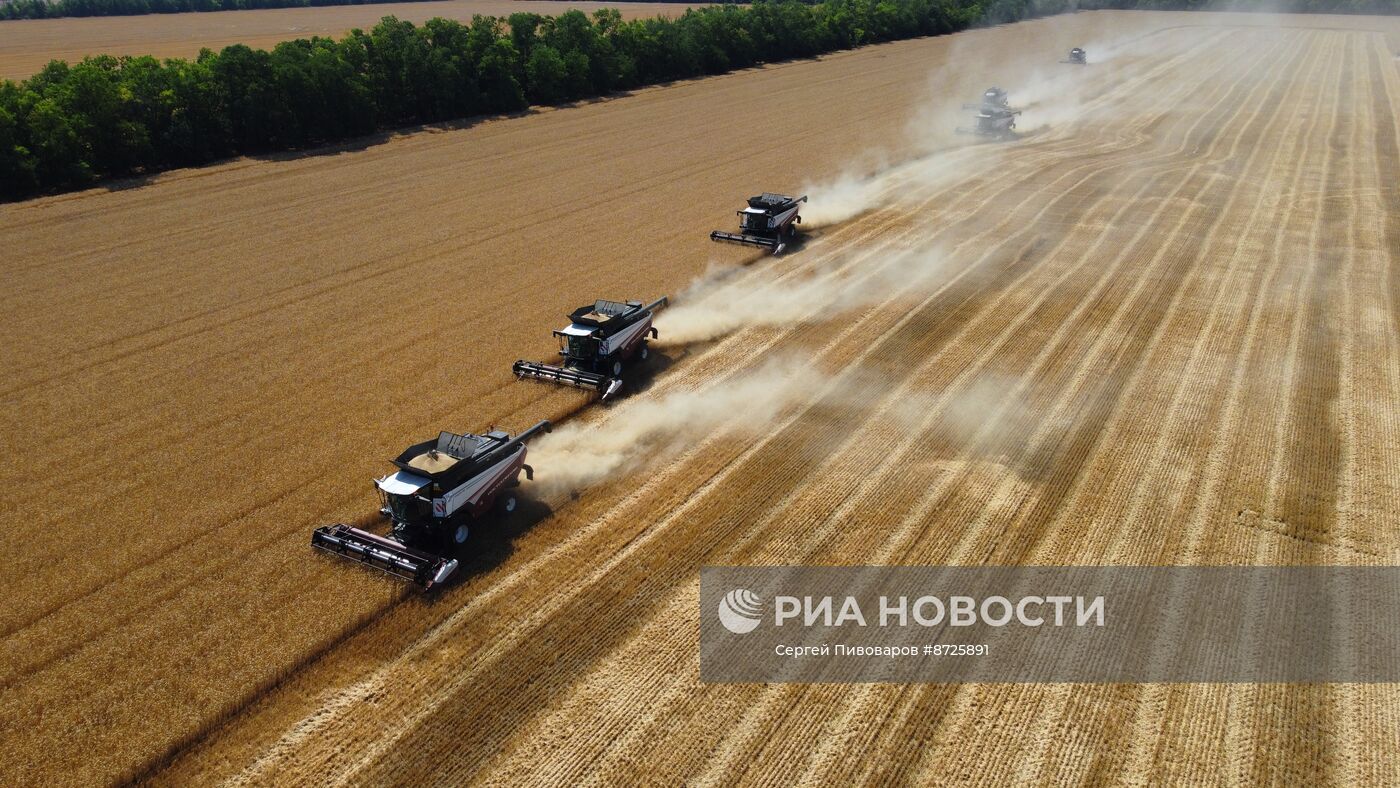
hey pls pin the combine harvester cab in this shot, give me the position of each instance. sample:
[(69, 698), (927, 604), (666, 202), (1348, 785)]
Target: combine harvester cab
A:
[(770, 221), (600, 338), (440, 487), (1077, 56), (995, 117), (993, 98)]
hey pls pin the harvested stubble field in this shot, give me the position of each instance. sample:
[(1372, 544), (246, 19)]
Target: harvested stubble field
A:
[(1159, 329), (26, 45)]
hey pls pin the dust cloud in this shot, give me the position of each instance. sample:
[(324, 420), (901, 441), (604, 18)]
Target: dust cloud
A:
[(653, 428), (712, 307)]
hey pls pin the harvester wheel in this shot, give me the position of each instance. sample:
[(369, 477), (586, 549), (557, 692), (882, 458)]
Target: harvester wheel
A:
[(617, 368), (644, 352), (509, 504), (460, 535)]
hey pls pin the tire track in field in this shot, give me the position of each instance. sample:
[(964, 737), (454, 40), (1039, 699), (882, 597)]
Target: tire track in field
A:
[(1314, 461), (1292, 721), (1388, 152), (1244, 388)]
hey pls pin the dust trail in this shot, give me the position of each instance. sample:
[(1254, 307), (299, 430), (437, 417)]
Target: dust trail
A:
[(710, 309), (651, 429), (846, 197), (654, 430)]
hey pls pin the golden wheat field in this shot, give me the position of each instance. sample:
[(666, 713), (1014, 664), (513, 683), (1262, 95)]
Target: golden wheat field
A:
[(1160, 328), (26, 45)]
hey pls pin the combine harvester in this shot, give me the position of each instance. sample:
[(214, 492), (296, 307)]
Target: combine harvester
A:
[(995, 117), (440, 487), (1077, 57), (599, 338), (770, 221)]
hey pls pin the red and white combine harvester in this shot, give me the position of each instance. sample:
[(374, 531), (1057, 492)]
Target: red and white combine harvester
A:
[(440, 487), (599, 339), (770, 221)]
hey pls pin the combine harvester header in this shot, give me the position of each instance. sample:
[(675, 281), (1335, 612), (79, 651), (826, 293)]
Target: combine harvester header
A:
[(770, 221), (440, 486), (600, 337)]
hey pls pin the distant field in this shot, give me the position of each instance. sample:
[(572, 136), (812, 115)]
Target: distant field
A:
[(1161, 328), (27, 44)]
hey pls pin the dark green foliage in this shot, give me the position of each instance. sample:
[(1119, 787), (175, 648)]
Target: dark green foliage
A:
[(48, 9), (70, 125), (548, 75)]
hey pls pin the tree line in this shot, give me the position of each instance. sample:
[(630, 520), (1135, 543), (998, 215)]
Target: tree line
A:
[(50, 9), (70, 125)]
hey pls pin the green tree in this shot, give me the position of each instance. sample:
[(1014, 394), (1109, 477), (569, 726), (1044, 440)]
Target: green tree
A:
[(17, 164), (59, 157), (524, 31), (547, 75), (248, 96), (500, 86), (452, 81), (398, 67)]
